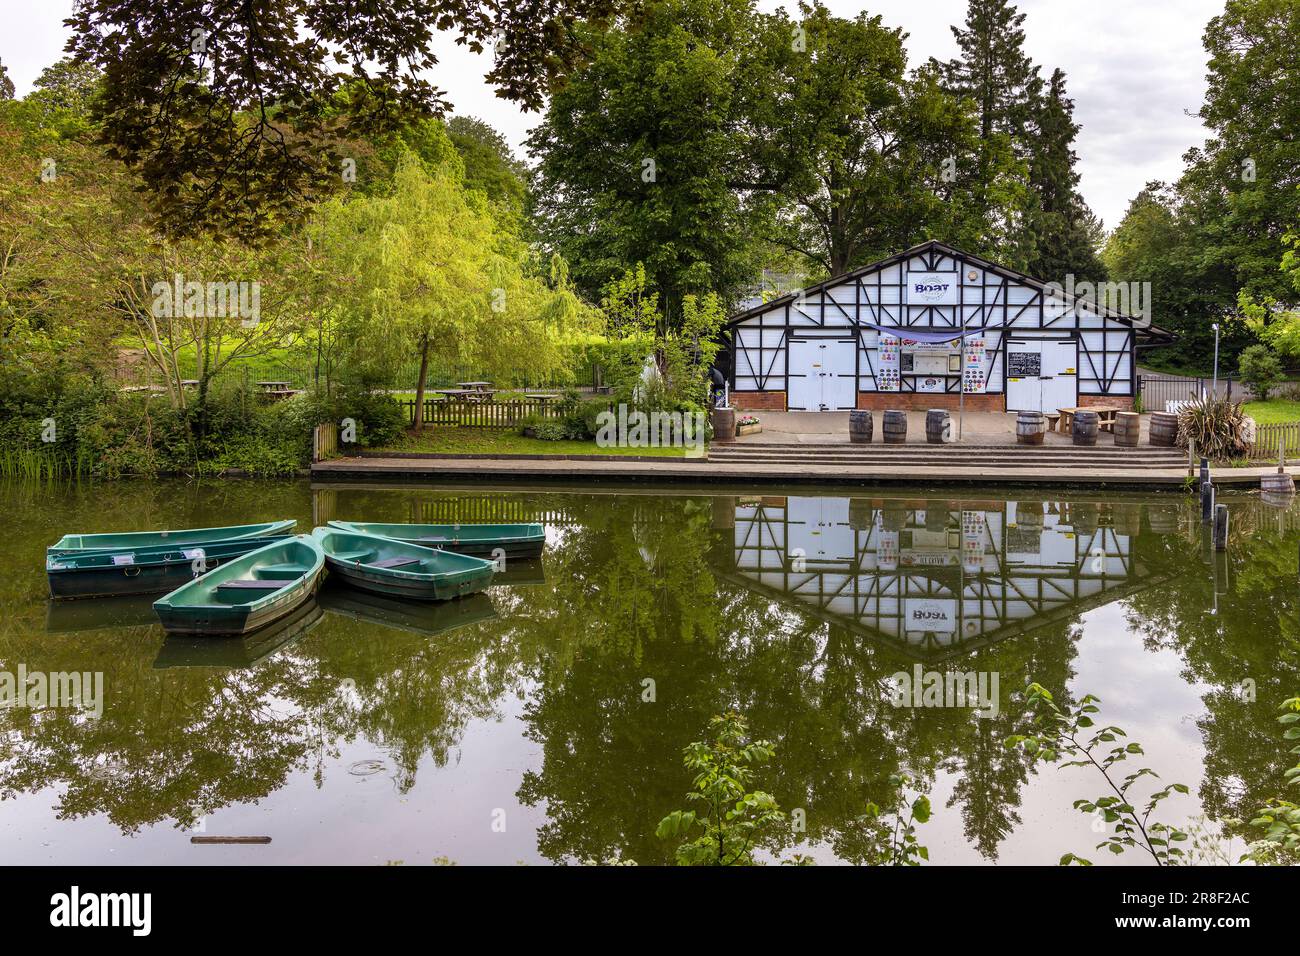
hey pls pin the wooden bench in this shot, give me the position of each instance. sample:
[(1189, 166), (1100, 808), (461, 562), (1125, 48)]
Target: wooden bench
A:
[(1052, 419), (247, 585), (398, 562)]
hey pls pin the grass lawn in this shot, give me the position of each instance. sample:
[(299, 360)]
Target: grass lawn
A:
[(504, 441), (1274, 410)]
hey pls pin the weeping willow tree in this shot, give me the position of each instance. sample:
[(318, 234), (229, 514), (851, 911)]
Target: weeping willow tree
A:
[(426, 270)]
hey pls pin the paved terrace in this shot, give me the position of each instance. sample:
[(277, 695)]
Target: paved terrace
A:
[(802, 447)]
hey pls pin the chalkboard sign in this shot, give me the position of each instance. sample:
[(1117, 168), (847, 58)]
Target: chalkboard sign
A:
[(1023, 364)]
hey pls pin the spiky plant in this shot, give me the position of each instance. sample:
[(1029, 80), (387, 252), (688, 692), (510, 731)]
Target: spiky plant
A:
[(1216, 425)]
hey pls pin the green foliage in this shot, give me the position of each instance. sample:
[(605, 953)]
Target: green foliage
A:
[(1060, 732), (887, 836), (1279, 820), (732, 820), (1216, 425), (1259, 367)]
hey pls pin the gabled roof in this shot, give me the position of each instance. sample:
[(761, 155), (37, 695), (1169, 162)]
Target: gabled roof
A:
[(934, 245)]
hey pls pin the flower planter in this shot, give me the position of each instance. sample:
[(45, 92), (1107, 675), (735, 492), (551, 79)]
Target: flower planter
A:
[(743, 430)]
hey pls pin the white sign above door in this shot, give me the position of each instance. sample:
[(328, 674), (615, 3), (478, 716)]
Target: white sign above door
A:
[(932, 288)]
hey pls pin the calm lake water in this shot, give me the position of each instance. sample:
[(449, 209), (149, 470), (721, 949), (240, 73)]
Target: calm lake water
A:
[(516, 726)]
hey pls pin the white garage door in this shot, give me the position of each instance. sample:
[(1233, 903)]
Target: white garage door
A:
[(822, 375)]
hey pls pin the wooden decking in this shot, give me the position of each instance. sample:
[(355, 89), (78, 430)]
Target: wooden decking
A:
[(838, 463)]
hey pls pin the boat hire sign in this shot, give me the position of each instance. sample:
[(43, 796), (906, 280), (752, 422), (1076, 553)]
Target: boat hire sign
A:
[(932, 288), (929, 614)]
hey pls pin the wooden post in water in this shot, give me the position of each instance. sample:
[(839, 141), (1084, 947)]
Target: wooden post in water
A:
[(1207, 503), (1205, 470), (1221, 528), (1191, 457)]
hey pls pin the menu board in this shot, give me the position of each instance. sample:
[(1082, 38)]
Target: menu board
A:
[(1023, 364), (973, 541), (972, 375), (887, 353)]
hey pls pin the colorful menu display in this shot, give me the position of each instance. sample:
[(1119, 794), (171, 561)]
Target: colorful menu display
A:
[(972, 375), (887, 352)]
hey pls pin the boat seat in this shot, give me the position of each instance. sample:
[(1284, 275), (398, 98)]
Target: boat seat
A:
[(281, 572), (397, 562), (361, 556), (247, 585)]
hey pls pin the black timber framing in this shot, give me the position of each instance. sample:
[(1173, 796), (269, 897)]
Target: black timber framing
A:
[(1102, 349)]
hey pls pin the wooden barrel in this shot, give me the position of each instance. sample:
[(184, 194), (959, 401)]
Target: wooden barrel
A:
[(895, 427), (1084, 428), (1164, 519), (1029, 514), (724, 425), (938, 426), (1277, 484), (893, 516), (860, 427), (862, 514), (1031, 427), (1164, 429), (1085, 517), (1128, 429)]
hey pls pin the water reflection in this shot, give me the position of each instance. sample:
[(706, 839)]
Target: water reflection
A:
[(572, 686), (935, 578)]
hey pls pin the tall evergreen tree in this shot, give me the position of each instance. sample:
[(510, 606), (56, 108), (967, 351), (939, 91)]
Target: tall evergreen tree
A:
[(995, 75), (993, 69), (1063, 226)]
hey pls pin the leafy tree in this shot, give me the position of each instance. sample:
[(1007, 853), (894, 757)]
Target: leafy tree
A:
[(733, 820), (1240, 186), (490, 165), (431, 273), (1065, 231), (994, 74), (7, 88), (228, 109), (871, 145), (1259, 368), (650, 153)]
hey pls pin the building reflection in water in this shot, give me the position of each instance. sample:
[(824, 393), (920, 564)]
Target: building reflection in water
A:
[(935, 578)]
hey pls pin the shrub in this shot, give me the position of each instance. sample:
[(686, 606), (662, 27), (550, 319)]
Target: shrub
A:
[(1217, 426), (1260, 368)]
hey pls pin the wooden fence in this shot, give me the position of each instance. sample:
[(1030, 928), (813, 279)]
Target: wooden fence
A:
[(1269, 439), (479, 414), (324, 441)]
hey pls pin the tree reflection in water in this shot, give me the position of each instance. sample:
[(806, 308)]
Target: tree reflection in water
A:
[(655, 612)]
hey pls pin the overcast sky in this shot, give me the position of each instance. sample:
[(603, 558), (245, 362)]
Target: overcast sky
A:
[(1136, 70)]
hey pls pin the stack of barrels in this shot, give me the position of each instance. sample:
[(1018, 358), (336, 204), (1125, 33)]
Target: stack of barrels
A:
[(1084, 428), (895, 427), (938, 426), (1031, 427)]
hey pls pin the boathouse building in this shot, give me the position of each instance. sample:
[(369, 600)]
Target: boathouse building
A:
[(933, 327)]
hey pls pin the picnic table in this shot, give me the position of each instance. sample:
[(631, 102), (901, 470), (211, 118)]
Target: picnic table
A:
[(1105, 417), (476, 386), (274, 386), (542, 397), (477, 395)]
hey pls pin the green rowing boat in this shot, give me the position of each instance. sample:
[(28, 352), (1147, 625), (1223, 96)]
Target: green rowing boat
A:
[(189, 538), (425, 618), (150, 570), (389, 566), (483, 540), (247, 593)]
